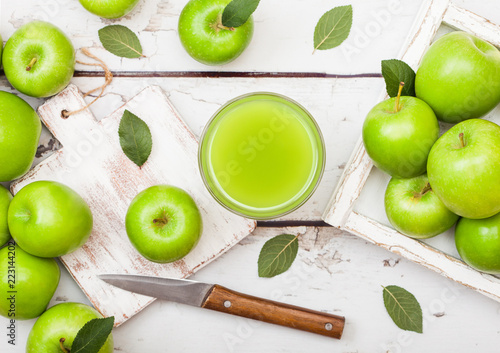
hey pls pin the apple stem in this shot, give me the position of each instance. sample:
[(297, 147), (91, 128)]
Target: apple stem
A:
[(30, 65), (426, 189), (397, 108), (217, 25), (221, 26), (162, 221), (61, 341), (462, 141)]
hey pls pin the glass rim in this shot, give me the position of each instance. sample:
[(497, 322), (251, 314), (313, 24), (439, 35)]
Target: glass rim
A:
[(318, 170)]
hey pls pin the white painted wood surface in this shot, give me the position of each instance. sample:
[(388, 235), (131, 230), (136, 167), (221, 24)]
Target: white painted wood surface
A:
[(93, 164), (334, 269), (341, 208), (336, 104)]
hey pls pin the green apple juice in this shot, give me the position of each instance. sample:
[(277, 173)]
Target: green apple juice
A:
[(262, 155)]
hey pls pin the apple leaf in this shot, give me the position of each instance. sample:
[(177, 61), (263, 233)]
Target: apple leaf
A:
[(396, 71), (403, 308), (237, 12), (135, 138), (93, 335), (333, 28), (121, 41), (277, 255)]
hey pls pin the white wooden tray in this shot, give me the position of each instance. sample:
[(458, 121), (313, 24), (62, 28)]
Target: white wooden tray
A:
[(92, 163), (342, 211)]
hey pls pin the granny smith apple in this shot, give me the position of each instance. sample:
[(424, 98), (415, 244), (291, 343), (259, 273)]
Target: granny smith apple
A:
[(414, 210), (464, 168), (62, 321), (205, 38), (20, 130), (5, 198), (398, 134), (478, 243), (459, 77), (49, 219), (163, 223), (1, 48), (39, 59), (27, 283), (109, 8)]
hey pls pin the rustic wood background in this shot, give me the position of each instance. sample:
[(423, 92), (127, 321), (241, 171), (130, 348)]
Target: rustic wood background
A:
[(335, 271)]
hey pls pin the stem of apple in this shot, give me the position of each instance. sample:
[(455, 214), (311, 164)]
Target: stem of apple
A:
[(30, 65), (426, 188), (397, 108), (221, 26), (61, 341), (462, 141), (162, 221), (217, 25)]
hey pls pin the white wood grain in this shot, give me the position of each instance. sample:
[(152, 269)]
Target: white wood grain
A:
[(358, 168), (283, 37), (92, 163), (423, 254), (335, 271), (338, 106), (468, 21), (340, 211)]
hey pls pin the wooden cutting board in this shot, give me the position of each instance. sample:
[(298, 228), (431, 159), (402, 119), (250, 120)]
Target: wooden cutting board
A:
[(93, 164)]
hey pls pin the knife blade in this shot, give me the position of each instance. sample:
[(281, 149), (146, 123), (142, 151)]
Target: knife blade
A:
[(219, 298)]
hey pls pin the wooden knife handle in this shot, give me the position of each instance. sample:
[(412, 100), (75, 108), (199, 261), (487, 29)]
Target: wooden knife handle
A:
[(231, 302)]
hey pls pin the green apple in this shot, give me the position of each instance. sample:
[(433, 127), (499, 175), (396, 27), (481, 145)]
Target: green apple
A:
[(49, 219), (205, 38), (27, 283), (5, 198), (398, 134), (62, 321), (109, 8), (414, 210), (459, 77), (1, 48), (163, 223), (20, 130), (39, 59), (464, 168), (478, 243)]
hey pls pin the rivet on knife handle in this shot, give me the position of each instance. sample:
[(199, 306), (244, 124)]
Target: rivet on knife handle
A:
[(231, 302)]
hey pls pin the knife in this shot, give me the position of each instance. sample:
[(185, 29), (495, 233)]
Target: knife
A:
[(218, 298)]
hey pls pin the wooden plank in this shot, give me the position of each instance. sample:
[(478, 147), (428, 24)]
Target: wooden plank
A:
[(336, 104), (358, 168), (278, 45), (340, 211), (423, 254), (468, 21), (92, 163)]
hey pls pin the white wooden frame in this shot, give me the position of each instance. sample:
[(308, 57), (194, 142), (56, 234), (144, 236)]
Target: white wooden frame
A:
[(339, 211)]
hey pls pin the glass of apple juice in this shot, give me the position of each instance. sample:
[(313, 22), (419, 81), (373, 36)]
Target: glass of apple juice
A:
[(261, 155)]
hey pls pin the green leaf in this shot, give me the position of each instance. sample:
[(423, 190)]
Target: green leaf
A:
[(277, 255), (237, 12), (121, 41), (403, 308), (93, 335), (333, 28), (396, 71), (135, 138)]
